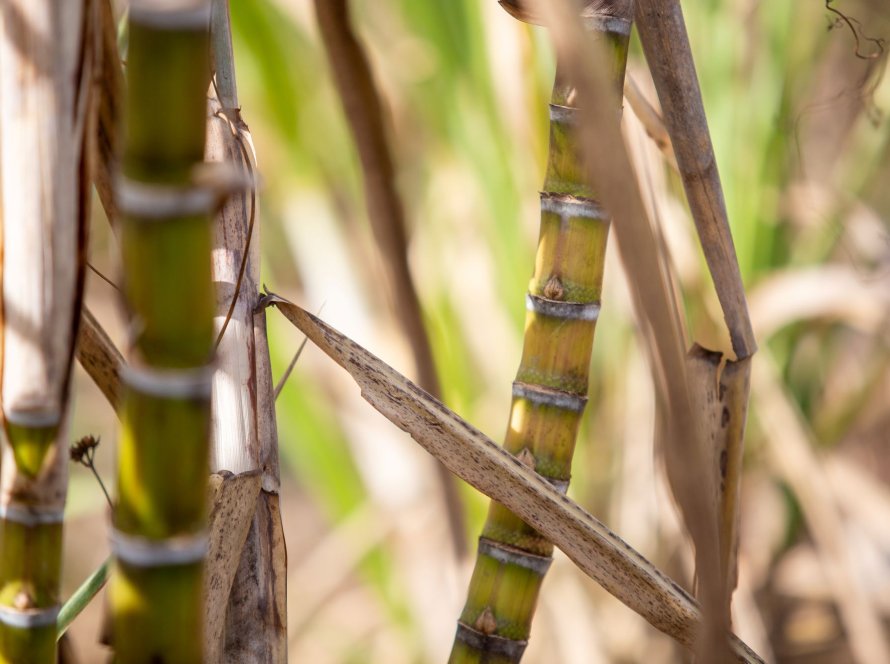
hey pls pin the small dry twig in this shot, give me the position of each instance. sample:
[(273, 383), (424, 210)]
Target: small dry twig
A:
[(855, 27)]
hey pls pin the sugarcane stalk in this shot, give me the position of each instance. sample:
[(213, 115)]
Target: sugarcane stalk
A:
[(550, 391), (244, 433), (658, 311), (666, 44), (158, 537), (45, 68)]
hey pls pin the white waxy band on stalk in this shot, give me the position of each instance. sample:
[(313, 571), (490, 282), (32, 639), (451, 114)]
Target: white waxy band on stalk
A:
[(171, 14), (28, 516), (568, 206), (143, 552), (512, 649), (512, 556), (171, 383), (562, 486), (613, 24), (547, 396), (564, 310), (33, 419), (28, 618), (156, 202)]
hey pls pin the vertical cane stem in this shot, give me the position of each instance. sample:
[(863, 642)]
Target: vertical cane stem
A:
[(158, 539), (550, 391)]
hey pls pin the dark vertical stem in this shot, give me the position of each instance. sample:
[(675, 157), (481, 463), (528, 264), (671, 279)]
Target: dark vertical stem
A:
[(364, 112)]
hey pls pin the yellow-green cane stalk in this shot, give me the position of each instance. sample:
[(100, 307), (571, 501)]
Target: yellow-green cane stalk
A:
[(45, 64), (158, 539), (550, 391)]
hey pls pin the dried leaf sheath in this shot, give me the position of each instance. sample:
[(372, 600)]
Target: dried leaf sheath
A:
[(364, 109), (158, 538), (244, 437), (550, 391), (45, 60)]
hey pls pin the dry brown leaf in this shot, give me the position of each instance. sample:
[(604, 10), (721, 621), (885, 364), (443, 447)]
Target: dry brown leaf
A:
[(100, 358), (476, 459)]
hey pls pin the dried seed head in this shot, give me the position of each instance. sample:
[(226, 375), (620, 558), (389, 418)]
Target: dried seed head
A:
[(486, 622), (81, 449)]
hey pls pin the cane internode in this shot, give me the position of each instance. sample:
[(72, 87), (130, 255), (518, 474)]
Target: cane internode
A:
[(158, 539), (550, 391)]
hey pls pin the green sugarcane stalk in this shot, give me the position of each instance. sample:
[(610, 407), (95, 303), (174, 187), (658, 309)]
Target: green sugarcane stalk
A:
[(158, 539), (45, 62), (550, 391)]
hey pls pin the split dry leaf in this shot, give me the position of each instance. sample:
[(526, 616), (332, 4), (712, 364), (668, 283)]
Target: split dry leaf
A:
[(110, 81), (476, 459)]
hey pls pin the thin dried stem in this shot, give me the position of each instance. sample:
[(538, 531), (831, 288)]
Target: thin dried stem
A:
[(290, 368), (245, 253), (108, 281), (666, 44), (100, 358), (856, 30), (364, 112), (651, 120)]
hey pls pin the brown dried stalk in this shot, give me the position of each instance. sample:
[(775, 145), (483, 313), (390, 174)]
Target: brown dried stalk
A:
[(364, 112), (666, 44), (244, 438)]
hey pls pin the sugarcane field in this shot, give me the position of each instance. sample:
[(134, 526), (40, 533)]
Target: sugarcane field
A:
[(425, 331)]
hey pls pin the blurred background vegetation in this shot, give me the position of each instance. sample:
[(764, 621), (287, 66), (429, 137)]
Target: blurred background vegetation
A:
[(801, 136)]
